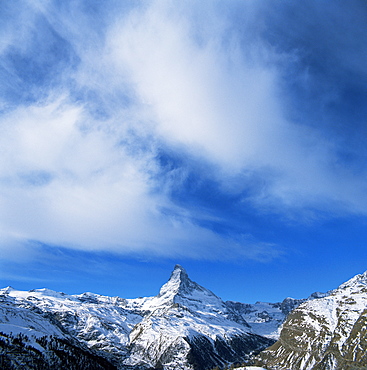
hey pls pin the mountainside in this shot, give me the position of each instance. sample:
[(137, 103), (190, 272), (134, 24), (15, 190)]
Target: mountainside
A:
[(328, 333), (265, 318), (188, 325), (184, 327)]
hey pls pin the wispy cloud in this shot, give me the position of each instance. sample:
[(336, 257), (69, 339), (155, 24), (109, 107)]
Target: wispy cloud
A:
[(225, 100), (100, 96)]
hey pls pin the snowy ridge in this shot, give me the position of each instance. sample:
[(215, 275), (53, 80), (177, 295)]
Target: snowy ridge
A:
[(265, 318), (185, 326), (102, 323), (182, 291), (325, 333)]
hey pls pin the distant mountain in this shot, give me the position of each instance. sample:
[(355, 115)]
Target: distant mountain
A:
[(265, 318), (327, 333), (184, 327)]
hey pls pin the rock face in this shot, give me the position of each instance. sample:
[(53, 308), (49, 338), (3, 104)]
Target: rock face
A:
[(184, 327), (327, 333)]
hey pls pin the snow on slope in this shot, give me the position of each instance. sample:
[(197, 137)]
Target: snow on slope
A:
[(185, 326), (180, 290), (98, 321), (180, 317), (264, 318), (325, 333)]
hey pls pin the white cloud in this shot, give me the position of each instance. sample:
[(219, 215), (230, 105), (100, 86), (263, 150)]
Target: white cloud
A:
[(79, 188), (161, 74), (203, 96), (224, 101)]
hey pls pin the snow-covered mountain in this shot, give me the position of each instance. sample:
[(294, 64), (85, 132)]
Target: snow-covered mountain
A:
[(188, 325), (184, 327), (266, 318), (327, 333)]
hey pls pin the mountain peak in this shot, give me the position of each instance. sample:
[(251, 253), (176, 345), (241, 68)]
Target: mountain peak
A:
[(182, 290), (178, 282), (354, 282), (179, 267), (7, 289), (179, 273)]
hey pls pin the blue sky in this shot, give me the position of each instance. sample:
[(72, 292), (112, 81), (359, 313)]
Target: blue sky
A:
[(229, 137)]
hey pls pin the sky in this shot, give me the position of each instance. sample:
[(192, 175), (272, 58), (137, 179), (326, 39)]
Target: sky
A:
[(228, 137)]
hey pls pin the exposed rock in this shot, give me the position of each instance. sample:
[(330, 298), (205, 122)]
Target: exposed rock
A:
[(327, 333)]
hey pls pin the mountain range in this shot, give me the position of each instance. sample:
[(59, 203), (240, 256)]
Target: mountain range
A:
[(185, 326)]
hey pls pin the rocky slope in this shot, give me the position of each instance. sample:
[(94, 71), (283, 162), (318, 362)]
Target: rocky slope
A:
[(327, 333), (184, 327), (47, 352)]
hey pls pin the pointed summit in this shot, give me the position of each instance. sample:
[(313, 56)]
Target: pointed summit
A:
[(179, 267), (180, 272), (178, 282), (182, 290), (7, 290)]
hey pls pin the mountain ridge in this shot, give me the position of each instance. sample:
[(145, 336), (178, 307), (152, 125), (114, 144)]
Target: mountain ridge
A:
[(184, 326)]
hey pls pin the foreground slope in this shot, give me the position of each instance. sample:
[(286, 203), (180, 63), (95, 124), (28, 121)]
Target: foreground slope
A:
[(184, 327), (328, 333), (43, 329)]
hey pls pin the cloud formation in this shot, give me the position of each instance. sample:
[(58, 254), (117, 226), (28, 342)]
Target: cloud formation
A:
[(109, 117), (226, 103)]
